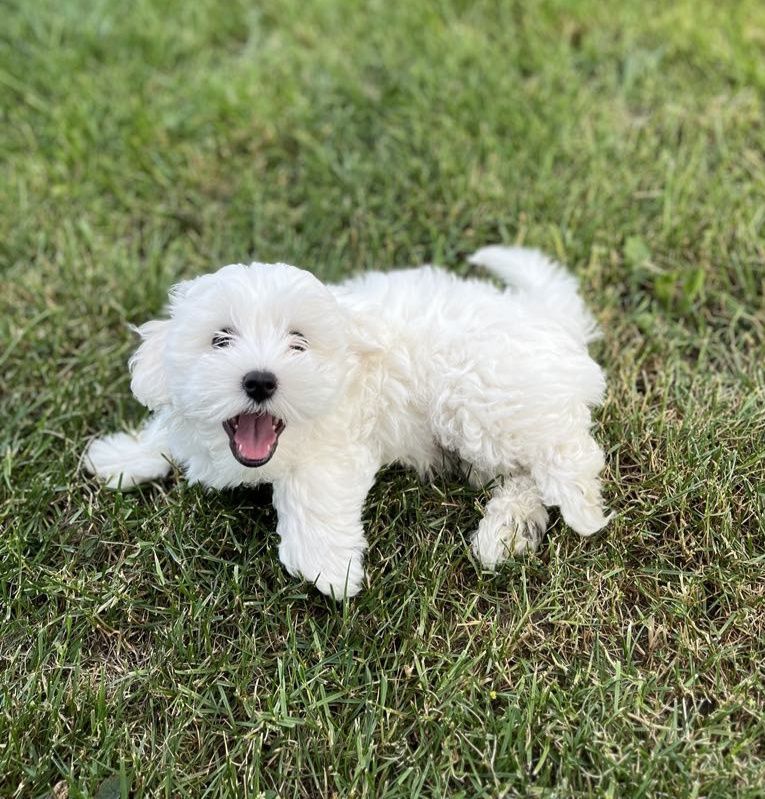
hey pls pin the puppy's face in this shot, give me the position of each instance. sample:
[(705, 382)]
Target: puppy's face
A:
[(249, 349)]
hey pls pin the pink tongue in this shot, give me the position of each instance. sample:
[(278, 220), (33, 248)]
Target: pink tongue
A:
[(255, 436)]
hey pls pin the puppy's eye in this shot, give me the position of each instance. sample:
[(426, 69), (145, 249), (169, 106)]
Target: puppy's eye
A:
[(222, 338), (298, 342)]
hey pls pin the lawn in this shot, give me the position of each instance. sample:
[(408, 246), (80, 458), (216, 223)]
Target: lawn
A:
[(150, 642)]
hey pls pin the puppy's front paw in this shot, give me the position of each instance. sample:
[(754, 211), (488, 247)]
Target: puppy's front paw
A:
[(106, 457), (123, 460), (338, 574), (342, 587)]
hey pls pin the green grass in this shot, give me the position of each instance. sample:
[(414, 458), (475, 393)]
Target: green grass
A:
[(150, 643)]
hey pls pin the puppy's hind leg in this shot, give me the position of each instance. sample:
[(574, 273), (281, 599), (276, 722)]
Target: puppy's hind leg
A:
[(568, 476), (123, 460), (514, 522)]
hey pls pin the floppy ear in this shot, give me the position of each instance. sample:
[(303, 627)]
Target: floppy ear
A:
[(149, 383), (364, 338)]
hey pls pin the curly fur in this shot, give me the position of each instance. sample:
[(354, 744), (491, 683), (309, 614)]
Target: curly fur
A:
[(415, 366)]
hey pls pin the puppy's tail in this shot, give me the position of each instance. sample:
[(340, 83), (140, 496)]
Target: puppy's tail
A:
[(531, 272)]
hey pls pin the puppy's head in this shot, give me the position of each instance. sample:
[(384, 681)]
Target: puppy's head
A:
[(249, 349)]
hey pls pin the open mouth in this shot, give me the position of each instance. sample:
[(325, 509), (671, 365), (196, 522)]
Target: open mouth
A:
[(253, 437)]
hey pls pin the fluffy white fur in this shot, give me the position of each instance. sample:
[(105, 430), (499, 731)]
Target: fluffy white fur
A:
[(416, 366)]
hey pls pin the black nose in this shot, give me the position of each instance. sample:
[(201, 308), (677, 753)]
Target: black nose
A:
[(259, 385)]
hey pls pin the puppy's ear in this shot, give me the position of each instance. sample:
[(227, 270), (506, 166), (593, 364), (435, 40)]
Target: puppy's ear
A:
[(363, 337), (149, 383)]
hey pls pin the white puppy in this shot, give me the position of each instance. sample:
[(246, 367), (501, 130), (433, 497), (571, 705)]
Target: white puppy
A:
[(264, 374)]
